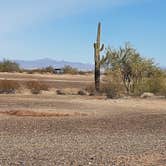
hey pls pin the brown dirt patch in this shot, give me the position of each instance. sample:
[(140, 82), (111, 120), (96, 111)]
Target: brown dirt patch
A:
[(24, 113)]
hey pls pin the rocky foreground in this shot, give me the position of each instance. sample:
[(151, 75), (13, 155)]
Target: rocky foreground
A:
[(109, 134), (124, 139)]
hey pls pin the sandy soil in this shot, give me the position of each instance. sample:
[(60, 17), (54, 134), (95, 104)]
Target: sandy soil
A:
[(81, 130), (112, 132), (55, 81)]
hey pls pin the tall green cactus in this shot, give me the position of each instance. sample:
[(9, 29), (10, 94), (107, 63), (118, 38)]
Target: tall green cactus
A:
[(97, 50)]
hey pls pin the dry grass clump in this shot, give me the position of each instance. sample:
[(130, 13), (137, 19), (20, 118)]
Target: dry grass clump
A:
[(72, 91), (8, 86), (111, 89), (11, 86), (67, 91), (36, 87)]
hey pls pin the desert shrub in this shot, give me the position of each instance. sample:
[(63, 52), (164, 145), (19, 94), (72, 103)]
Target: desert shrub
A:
[(44, 70), (90, 89), (156, 85), (82, 92), (33, 71), (36, 87), (136, 74), (154, 81), (49, 69), (69, 70), (112, 84), (8, 86), (82, 72), (9, 66), (29, 71), (110, 90)]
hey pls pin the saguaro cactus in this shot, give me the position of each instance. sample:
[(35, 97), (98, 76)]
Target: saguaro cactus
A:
[(97, 50)]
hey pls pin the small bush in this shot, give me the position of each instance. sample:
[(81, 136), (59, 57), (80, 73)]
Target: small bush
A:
[(155, 85), (9, 66), (49, 69), (36, 87), (8, 86), (111, 90), (44, 70), (67, 91), (90, 89), (113, 86), (29, 71), (70, 70), (82, 92)]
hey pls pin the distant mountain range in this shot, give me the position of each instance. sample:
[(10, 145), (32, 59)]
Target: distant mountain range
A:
[(50, 62)]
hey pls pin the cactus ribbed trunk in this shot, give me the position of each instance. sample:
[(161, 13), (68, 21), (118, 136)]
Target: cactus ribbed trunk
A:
[(97, 50)]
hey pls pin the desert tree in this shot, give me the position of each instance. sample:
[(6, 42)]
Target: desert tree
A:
[(133, 68)]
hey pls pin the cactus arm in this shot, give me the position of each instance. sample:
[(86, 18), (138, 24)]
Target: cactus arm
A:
[(102, 47), (95, 45), (98, 33)]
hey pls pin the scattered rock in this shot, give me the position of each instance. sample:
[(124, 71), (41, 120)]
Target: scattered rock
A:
[(7, 91), (82, 92), (60, 92), (147, 95), (51, 91)]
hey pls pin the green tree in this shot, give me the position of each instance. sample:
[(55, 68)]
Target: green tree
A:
[(134, 70)]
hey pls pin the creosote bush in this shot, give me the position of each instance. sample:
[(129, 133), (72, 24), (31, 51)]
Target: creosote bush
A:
[(8, 86), (36, 87)]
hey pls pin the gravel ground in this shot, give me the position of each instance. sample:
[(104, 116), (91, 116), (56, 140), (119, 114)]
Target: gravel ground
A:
[(119, 140), (116, 135)]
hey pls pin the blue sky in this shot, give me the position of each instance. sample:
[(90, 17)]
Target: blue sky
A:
[(66, 30)]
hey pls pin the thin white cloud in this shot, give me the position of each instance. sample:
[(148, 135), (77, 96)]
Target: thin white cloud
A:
[(16, 14)]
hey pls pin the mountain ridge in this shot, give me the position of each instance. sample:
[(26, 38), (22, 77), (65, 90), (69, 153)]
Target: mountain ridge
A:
[(45, 62)]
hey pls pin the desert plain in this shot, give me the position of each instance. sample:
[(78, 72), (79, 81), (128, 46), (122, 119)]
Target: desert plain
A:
[(50, 129)]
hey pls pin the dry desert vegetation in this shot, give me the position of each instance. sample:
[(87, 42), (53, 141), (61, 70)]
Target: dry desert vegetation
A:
[(50, 129)]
